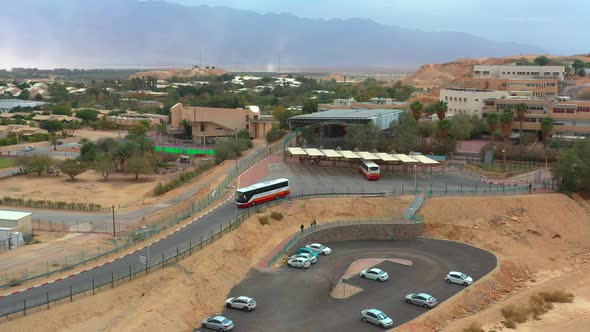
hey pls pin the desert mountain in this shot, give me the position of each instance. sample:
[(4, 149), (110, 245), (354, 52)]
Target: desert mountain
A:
[(131, 33)]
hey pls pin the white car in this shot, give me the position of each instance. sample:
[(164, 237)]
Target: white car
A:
[(28, 148), (300, 262), (458, 278), (422, 299), (376, 317), (319, 248), (241, 302), (375, 274), (312, 259), (218, 323)]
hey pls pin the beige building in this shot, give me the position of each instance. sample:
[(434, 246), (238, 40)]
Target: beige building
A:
[(468, 101), (215, 123), (131, 118), (519, 72), (545, 88), (16, 221)]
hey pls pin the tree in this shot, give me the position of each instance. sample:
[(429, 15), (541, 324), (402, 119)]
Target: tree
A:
[(38, 97), (88, 152), (573, 167), (461, 127), (73, 168), (139, 165), (444, 126), (51, 126), (244, 134), (416, 108), (124, 151), (541, 61), (578, 64), (505, 120), (440, 107), (281, 114), (581, 72), (87, 115), (24, 95), (546, 128), (361, 136), (36, 164), (274, 134), (53, 140), (521, 111), (310, 106), (426, 130), (404, 133), (139, 129), (492, 121), (105, 166), (62, 109)]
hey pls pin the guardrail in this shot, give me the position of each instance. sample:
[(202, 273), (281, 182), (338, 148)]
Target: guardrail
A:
[(132, 237)]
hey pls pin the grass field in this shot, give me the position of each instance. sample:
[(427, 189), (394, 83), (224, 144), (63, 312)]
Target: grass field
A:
[(7, 162)]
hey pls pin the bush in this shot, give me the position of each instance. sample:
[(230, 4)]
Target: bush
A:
[(263, 220), (182, 179), (538, 304), (43, 204), (474, 327), (558, 296), (515, 314), (276, 215), (274, 134)]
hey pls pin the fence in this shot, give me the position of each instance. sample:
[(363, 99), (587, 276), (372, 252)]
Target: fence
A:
[(511, 165), (129, 237)]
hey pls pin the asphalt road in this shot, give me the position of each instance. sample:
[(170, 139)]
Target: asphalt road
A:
[(291, 299)]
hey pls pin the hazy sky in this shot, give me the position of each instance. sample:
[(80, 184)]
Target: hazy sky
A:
[(558, 26)]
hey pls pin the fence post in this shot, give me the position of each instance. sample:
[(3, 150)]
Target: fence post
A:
[(190, 247), (402, 189), (146, 265), (503, 188), (93, 286), (47, 294), (25, 306), (163, 261), (476, 188), (112, 279), (47, 267), (461, 188), (201, 243), (129, 272), (177, 254), (71, 294)]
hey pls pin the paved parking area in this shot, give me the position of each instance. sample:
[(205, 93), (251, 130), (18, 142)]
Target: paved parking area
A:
[(290, 299)]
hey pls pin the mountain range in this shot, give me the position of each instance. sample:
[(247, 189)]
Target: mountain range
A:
[(133, 34)]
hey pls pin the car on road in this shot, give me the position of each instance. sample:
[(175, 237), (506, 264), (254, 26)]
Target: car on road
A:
[(319, 248), (302, 263), (306, 250), (218, 323), (60, 143), (241, 302), (375, 274), (376, 317), (458, 278), (421, 299), (28, 148), (312, 259)]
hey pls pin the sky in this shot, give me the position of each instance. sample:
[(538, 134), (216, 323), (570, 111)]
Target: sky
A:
[(558, 26)]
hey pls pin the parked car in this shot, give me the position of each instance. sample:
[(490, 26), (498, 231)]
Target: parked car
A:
[(458, 278), (302, 263), (218, 323), (312, 259), (28, 148), (241, 302), (306, 250), (376, 317), (60, 143), (421, 299), (375, 274), (319, 248)]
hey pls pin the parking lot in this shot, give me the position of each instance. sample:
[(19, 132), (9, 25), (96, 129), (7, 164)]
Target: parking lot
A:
[(290, 299)]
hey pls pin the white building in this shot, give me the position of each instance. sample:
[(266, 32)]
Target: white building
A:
[(514, 71), (468, 101)]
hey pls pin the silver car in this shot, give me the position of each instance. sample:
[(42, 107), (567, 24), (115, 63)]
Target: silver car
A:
[(375, 274), (458, 278), (376, 317), (218, 323), (241, 302), (300, 262), (320, 249), (421, 299), (312, 259)]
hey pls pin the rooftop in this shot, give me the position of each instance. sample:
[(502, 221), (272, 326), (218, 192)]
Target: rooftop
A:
[(348, 114), (13, 215)]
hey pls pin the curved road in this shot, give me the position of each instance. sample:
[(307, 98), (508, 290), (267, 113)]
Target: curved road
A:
[(291, 299), (304, 180)]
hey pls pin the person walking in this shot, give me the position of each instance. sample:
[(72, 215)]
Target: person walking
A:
[(302, 228)]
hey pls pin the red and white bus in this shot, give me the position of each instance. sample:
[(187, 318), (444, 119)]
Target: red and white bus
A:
[(369, 169), (262, 192)]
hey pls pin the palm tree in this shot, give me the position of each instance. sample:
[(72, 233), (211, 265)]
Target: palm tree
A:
[(416, 108), (506, 125), (492, 121), (443, 128), (546, 127), (441, 109), (521, 110)]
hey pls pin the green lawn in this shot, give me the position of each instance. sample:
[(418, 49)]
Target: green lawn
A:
[(7, 162)]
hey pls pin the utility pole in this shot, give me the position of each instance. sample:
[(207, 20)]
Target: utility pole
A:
[(114, 234)]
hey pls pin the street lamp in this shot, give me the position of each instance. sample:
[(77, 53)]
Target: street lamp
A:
[(415, 180), (504, 160), (114, 234)]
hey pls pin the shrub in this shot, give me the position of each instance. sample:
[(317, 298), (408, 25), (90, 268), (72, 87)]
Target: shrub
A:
[(276, 215), (515, 314), (182, 179), (263, 220), (474, 327), (558, 296)]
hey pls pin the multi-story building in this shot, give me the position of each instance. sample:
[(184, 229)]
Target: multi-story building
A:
[(571, 118), (468, 101), (545, 88), (519, 72), (216, 123)]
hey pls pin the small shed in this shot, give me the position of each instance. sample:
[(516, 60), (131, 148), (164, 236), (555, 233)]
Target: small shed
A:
[(17, 221)]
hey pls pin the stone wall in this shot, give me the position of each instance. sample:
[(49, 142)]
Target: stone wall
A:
[(364, 231)]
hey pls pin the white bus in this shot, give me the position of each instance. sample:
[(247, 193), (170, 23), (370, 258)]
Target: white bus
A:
[(262, 192), (369, 169)]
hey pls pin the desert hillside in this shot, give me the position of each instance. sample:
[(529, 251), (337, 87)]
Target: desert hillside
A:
[(185, 73)]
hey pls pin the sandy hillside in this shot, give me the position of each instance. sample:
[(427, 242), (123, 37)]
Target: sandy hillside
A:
[(178, 297), (435, 75), (184, 73), (537, 238)]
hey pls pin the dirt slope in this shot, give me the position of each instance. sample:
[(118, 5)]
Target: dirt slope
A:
[(436, 75), (185, 73)]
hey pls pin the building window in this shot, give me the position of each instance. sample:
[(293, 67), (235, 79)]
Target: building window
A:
[(247, 126), (202, 127), (247, 117), (218, 128)]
